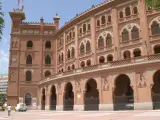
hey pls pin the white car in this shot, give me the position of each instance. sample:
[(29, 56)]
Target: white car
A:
[(21, 107)]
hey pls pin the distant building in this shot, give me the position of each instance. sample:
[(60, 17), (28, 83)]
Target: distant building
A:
[(3, 84)]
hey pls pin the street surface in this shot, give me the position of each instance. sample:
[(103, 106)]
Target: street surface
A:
[(97, 115)]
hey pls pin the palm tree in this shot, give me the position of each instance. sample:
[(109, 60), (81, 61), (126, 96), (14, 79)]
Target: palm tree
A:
[(1, 20)]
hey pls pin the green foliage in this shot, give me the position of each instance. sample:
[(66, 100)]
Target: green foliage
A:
[(153, 4), (1, 20), (2, 98)]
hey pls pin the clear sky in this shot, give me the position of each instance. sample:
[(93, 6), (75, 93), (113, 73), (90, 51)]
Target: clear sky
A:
[(34, 10)]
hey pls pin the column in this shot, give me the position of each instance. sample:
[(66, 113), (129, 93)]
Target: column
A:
[(78, 96), (106, 97), (47, 100), (144, 27), (60, 94), (116, 40), (76, 47), (64, 49), (143, 98), (93, 39)]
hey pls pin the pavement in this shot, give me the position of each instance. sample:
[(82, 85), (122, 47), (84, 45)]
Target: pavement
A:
[(83, 115)]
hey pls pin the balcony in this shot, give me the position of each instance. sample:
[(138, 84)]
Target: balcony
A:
[(143, 60), (128, 18), (154, 38), (105, 49), (153, 12), (88, 32), (130, 42)]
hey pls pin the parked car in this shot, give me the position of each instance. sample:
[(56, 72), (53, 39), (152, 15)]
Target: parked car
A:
[(21, 107), (2, 108)]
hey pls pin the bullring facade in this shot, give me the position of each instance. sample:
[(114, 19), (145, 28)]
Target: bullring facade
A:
[(106, 58)]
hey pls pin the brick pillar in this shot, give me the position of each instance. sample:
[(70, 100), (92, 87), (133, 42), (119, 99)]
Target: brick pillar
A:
[(93, 38), (78, 96), (106, 98)]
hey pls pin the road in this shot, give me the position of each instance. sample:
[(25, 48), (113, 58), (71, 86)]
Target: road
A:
[(73, 115)]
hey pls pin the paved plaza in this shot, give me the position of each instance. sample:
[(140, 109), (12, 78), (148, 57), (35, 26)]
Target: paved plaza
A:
[(97, 115)]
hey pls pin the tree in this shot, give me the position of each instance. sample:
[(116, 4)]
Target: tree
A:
[(2, 98), (154, 4), (1, 20)]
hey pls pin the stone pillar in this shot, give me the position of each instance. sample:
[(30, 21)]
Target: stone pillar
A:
[(59, 92), (76, 47), (116, 40), (93, 39), (64, 49), (47, 100), (106, 102), (143, 100), (144, 27), (78, 96)]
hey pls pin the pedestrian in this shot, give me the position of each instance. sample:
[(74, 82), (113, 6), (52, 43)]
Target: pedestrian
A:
[(9, 110)]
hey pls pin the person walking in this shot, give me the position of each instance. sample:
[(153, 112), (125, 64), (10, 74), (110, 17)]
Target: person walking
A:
[(9, 110)]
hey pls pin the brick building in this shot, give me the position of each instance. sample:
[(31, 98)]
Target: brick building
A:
[(106, 58)]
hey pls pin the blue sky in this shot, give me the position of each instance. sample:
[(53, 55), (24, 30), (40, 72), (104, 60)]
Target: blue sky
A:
[(34, 10)]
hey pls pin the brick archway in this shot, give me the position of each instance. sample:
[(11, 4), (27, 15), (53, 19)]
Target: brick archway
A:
[(123, 97), (43, 99), (53, 98), (68, 98), (156, 90), (91, 97)]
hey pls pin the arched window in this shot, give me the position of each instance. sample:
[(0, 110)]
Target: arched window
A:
[(137, 52), (100, 42), (156, 49), (89, 26), (70, 35), (88, 62), (103, 20), (98, 23), (29, 44), (108, 40), (121, 14), (68, 54), (73, 34), (88, 46), (135, 10), (28, 76), (69, 68), (84, 28), (128, 11), (62, 70), (48, 60), (125, 35), (29, 60), (82, 48), (155, 28), (62, 57), (73, 67), (126, 55), (82, 64), (109, 18), (59, 58), (101, 59), (73, 52), (28, 99), (135, 33), (48, 45), (80, 30), (109, 58), (47, 74)]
